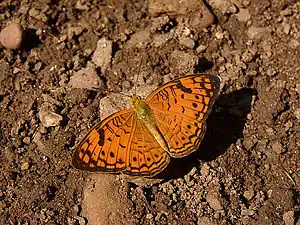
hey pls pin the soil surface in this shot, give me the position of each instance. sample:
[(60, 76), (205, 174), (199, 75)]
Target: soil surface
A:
[(78, 62)]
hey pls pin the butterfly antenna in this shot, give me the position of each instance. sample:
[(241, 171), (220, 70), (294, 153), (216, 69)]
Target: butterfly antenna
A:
[(137, 76), (140, 59), (118, 92)]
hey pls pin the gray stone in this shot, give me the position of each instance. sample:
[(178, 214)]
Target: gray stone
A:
[(102, 55)]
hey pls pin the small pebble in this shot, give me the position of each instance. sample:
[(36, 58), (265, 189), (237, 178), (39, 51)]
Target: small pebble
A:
[(166, 78), (243, 15), (277, 147), (48, 117), (187, 42), (213, 200), (149, 216), (38, 66), (247, 212), (286, 12), (26, 140), (205, 170), (11, 36), (271, 72), (201, 48), (286, 28), (126, 85), (297, 113), (80, 220), (258, 32), (76, 209), (25, 166), (249, 194)]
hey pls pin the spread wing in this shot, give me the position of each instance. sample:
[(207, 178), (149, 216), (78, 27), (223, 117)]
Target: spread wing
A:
[(106, 146), (120, 144), (181, 107)]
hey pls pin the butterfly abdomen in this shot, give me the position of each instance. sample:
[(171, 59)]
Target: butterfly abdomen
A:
[(143, 114)]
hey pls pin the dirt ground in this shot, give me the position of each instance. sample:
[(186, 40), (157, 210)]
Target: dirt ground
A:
[(247, 169)]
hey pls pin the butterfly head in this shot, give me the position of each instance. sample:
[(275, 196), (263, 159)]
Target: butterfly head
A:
[(135, 100)]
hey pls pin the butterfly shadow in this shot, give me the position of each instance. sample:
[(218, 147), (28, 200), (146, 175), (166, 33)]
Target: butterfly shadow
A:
[(224, 127)]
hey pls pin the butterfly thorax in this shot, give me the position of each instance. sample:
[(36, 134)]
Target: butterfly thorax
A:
[(141, 109), (143, 114)]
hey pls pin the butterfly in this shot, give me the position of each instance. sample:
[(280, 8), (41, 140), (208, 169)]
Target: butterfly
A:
[(139, 141)]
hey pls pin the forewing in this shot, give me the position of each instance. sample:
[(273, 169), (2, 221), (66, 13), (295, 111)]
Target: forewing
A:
[(106, 146), (181, 107)]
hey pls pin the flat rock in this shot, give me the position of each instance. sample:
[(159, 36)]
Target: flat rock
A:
[(86, 78), (205, 221), (115, 102)]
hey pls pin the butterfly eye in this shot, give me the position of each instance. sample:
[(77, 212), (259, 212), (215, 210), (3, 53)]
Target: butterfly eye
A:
[(133, 99)]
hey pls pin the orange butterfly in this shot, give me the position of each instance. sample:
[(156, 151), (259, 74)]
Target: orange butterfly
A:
[(140, 140)]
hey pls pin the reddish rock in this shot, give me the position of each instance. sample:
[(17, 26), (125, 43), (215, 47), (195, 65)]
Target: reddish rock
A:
[(11, 36)]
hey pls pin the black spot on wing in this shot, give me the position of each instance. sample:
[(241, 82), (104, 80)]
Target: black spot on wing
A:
[(101, 137), (88, 153)]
